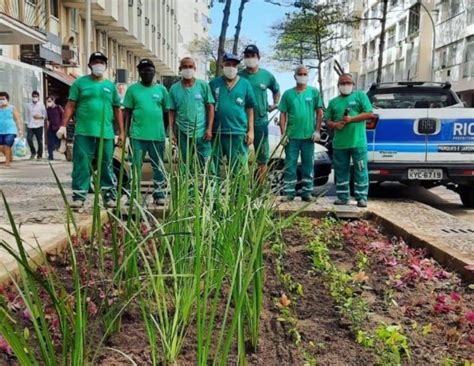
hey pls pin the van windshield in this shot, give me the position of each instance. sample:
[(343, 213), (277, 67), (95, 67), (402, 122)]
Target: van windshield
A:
[(398, 98)]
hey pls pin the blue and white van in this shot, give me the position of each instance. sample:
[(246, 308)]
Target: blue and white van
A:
[(423, 134)]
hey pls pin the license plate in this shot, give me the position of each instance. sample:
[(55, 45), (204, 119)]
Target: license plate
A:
[(425, 174)]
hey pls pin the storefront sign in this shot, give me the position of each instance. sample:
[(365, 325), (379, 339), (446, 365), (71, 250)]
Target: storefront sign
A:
[(51, 50)]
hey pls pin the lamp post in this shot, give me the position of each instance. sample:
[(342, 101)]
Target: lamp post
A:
[(88, 27), (433, 48)]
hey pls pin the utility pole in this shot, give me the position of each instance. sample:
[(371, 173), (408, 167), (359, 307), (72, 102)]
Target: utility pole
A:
[(88, 29), (222, 36), (382, 40)]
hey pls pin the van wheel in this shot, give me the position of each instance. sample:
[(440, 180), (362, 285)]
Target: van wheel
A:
[(467, 196)]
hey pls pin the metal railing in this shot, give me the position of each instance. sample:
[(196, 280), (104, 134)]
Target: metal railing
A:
[(32, 13)]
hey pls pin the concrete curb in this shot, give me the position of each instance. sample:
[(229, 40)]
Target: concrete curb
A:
[(56, 244)]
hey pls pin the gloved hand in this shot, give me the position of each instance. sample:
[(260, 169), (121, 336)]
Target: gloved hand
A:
[(284, 140), (316, 137), (62, 133)]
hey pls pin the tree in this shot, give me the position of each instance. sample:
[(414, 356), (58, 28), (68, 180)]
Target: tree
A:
[(239, 24), (222, 36), (306, 36)]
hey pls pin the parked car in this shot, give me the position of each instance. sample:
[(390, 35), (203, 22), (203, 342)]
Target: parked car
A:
[(423, 135)]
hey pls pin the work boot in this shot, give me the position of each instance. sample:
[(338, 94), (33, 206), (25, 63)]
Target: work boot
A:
[(287, 198), (308, 199), (76, 204), (340, 202), (159, 202), (362, 203), (111, 204)]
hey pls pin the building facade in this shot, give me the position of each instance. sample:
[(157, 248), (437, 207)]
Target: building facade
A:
[(433, 40), (193, 24)]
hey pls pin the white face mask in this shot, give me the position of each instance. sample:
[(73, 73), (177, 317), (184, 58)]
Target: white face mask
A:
[(187, 73), (301, 79), (35, 99), (346, 89), (230, 72), (98, 69), (3, 102), (251, 62)]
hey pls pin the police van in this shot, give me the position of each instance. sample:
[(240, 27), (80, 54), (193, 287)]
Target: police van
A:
[(423, 135)]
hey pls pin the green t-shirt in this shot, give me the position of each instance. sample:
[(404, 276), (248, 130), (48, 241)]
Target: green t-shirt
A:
[(261, 81), (231, 117), (147, 104), (94, 103), (190, 105), (353, 134), (300, 109)]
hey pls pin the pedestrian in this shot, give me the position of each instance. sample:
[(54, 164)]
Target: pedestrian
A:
[(233, 129), (11, 126), (144, 105), (95, 102), (301, 115), (35, 118), (261, 81), (55, 117), (347, 115), (191, 116)]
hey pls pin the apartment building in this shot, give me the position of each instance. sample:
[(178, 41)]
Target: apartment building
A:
[(46, 41), (424, 40), (193, 24)]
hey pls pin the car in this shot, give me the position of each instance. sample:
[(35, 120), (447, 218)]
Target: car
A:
[(422, 135)]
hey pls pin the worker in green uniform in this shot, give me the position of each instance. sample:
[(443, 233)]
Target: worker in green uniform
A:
[(190, 107), (347, 115), (95, 102), (144, 104), (233, 127), (300, 122), (261, 81)]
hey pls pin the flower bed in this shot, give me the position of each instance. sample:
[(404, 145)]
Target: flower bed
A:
[(200, 287)]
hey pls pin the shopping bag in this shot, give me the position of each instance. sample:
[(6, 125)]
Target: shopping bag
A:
[(19, 147)]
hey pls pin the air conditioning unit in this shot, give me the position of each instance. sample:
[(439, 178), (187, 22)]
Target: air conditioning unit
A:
[(70, 55)]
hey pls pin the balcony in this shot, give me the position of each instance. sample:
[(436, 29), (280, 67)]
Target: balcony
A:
[(22, 22)]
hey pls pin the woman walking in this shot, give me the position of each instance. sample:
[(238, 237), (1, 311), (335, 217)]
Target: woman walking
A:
[(55, 116), (10, 127)]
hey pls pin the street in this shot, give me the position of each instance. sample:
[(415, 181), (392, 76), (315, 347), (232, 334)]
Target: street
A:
[(32, 192)]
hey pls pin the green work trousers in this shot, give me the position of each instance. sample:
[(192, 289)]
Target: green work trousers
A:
[(342, 168), (189, 148), (292, 152), (85, 152), (231, 147), (262, 148), (156, 152)]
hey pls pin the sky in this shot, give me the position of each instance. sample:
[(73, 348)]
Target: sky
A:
[(258, 18)]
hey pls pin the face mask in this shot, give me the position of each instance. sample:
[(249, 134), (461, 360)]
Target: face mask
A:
[(346, 89), (35, 99), (251, 62), (302, 79), (3, 102), (147, 76), (230, 72), (98, 69), (187, 73), (49, 104)]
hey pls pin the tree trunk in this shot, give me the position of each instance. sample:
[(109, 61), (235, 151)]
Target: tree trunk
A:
[(320, 62), (222, 37), (382, 41), (235, 49)]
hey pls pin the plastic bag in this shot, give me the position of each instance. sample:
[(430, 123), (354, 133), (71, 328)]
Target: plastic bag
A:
[(62, 146), (19, 148)]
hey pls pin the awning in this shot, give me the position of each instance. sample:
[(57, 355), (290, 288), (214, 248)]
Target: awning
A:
[(14, 32), (64, 78)]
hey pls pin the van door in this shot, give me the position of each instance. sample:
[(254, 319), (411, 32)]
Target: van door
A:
[(396, 137)]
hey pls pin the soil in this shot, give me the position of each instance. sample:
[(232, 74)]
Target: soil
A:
[(325, 335)]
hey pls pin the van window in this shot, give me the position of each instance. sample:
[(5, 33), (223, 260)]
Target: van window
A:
[(398, 98)]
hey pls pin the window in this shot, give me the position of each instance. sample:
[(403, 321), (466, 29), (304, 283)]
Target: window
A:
[(399, 70), (390, 38), (364, 51), (454, 7), (393, 3), (370, 78), (414, 19), (54, 8), (470, 12), (372, 48), (402, 29), (73, 18), (469, 57)]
